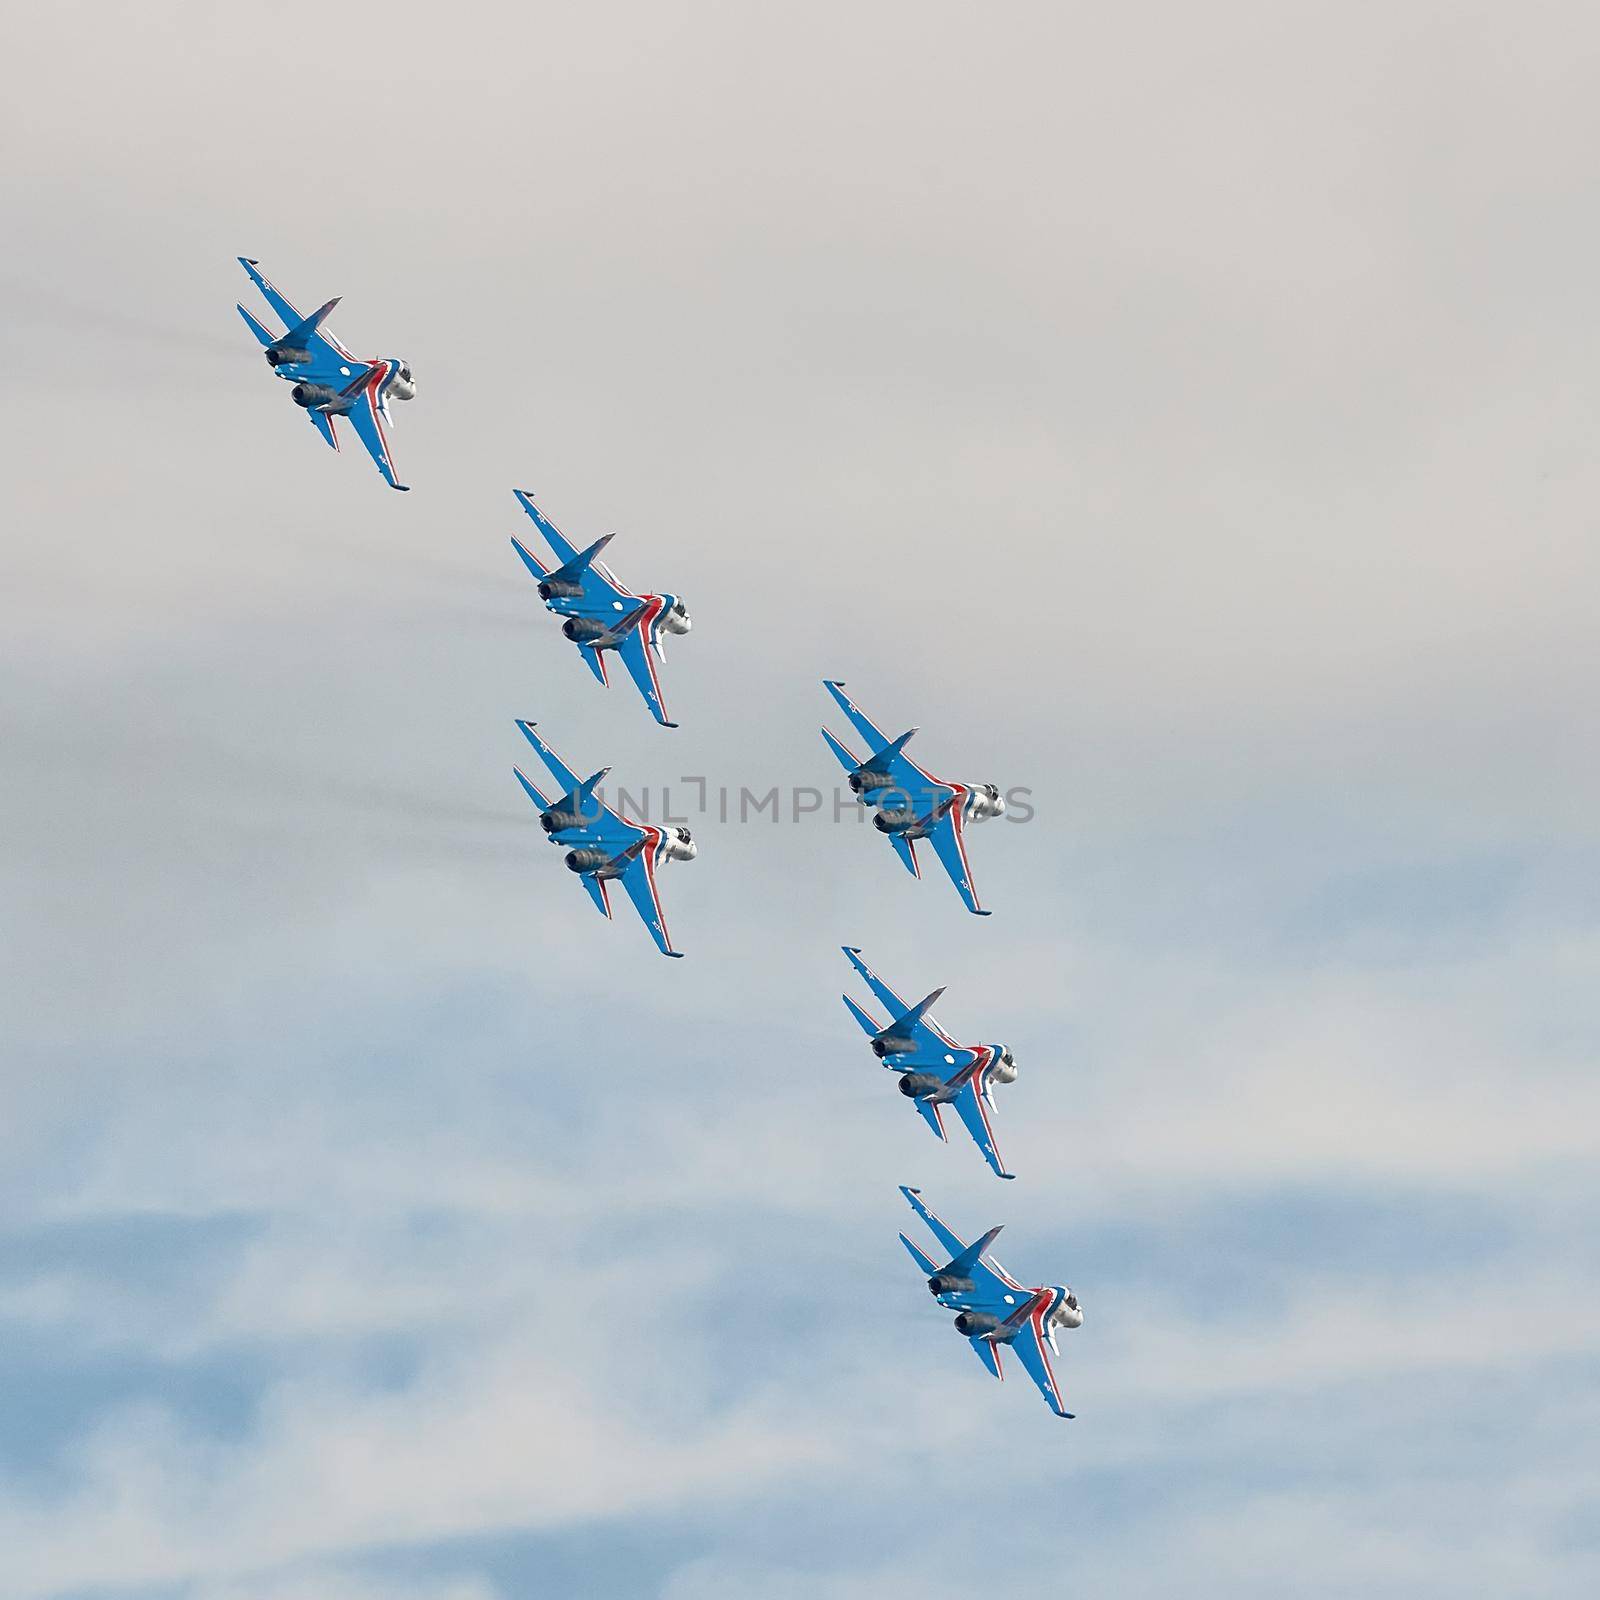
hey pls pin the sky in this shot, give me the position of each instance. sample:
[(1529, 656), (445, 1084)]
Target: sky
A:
[(1181, 413)]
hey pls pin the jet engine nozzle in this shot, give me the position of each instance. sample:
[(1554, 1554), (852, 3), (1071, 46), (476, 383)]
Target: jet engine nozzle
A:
[(940, 1284), (577, 629), (1004, 1069), (893, 821), (861, 782), (586, 860), (559, 821), (676, 618), (311, 394), (974, 1323), (913, 1084), (282, 356)]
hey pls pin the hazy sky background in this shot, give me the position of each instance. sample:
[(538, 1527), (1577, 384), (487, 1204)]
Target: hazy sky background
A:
[(1185, 412)]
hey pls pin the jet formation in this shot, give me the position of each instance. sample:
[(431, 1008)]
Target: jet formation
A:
[(603, 619)]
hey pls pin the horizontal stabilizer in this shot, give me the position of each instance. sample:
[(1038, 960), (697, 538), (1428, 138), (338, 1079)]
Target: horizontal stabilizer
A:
[(598, 893), (846, 759), (529, 559), (531, 792), (922, 1260), (262, 336), (595, 662), (868, 1026), (906, 849)]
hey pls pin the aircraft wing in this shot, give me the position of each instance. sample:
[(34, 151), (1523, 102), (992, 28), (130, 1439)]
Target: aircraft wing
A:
[(608, 826), (1033, 1351), (639, 879), (292, 317), (949, 1239), (920, 1027), (948, 838), (974, 1111), (287, 312), (597, 579), (891, 1002), (368, 422), (863, 724), (639, 659)]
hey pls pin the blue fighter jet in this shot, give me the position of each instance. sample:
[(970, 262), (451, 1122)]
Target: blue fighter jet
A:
[(328, 381), (604, 845), (935, 1071), (602, 615), (910, 803), (992, 1308)]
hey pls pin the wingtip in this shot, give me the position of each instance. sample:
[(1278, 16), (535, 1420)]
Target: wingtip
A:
[(670, 724), (1007, 1174), (907, 1190), (851, 949), (248, 261), (977, 911), (677, 955)]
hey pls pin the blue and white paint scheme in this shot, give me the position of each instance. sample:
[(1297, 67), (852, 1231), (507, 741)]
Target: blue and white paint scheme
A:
[(328, 381), (910, 803), (935, 1071), (992, 1309), (603, 846), (600, 614)]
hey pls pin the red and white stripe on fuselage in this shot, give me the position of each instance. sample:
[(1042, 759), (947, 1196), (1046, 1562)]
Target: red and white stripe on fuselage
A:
[(382, 371), (1036, 1318), (657, 837), (654, 607)]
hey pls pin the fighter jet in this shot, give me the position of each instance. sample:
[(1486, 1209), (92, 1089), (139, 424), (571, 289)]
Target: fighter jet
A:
[(910, 803), (606, 846), (602, 615), (992, 1308), (328, 381), (935, 1071)]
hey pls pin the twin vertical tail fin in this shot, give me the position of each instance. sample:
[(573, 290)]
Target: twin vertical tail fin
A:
[(973, 1254), (300, 336), (902, 1026)]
